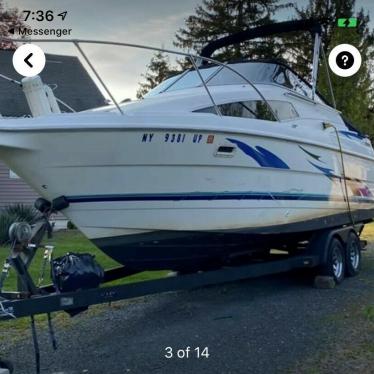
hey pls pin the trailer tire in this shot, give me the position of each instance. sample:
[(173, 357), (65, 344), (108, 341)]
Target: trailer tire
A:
[(353, 255), (335, 261)]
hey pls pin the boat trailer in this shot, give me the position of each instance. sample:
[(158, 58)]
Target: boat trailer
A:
[(31, 299)]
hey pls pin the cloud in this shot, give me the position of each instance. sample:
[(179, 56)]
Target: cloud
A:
[(143, 22), (121, 67)]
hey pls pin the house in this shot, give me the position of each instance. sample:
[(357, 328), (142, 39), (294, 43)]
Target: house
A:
[(71, 83)]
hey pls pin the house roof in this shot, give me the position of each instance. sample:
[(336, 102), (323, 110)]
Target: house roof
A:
[(73, 84)]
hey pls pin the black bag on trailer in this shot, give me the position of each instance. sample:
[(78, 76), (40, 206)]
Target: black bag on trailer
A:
[(76, 271)]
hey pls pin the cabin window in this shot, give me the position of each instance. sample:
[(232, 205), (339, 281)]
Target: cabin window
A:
[(283, 109), (252, 71), (162, 86), (255, 109), (245, 109), (192, 79)]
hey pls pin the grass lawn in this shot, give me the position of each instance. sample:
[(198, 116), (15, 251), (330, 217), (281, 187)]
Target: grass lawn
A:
[(64, 241), (71, 241), (368, 233)]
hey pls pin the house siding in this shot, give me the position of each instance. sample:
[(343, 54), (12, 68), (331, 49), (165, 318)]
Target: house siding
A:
[(13, 190)]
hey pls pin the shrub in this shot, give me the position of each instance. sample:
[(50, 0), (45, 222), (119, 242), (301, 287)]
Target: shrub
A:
[(24, 213), (71, 226), (15, 213)]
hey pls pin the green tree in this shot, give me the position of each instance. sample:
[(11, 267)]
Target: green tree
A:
[(158, 69), (300, 44), (214, 19), (354, 95), (10, 18)]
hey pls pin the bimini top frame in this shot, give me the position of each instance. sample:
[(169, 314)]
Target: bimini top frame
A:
[(311, 25), (195, 60)]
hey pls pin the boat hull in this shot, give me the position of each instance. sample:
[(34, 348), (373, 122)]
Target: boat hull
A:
[(192, 251), (189, 196)]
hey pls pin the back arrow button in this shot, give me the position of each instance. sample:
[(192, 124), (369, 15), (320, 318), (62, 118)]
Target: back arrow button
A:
[(27, 60)]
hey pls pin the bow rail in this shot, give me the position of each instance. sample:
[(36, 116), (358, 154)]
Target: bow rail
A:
[(194, 59)]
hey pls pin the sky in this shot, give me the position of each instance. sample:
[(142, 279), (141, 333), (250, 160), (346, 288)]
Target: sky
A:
[(149, 22)]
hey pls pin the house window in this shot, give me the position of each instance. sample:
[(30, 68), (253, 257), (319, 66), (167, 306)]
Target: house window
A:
[(13, 175)]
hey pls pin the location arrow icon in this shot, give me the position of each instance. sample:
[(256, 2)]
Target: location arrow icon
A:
[(11, 31), (27, 60)]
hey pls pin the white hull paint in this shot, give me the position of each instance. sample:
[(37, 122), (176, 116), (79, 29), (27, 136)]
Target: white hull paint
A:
[(148, 184)]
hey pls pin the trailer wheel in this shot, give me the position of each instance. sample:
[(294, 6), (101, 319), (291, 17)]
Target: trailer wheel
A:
[(353, 255), (335, 263)]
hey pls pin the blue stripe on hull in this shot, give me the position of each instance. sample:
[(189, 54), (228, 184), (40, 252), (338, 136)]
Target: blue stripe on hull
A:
[(205, 196)]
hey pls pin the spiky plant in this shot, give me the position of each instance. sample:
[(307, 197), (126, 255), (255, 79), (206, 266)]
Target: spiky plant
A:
[(15, 213)]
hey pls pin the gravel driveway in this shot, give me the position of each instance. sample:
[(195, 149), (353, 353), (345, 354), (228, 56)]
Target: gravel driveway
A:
[(268, 325)]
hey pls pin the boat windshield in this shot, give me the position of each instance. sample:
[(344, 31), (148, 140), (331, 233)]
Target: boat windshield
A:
[(255, 72)]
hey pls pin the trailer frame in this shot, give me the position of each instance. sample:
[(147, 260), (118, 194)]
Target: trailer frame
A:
[(30, 300)]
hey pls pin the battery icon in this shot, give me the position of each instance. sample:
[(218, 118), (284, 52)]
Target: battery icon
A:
[(347, 22)]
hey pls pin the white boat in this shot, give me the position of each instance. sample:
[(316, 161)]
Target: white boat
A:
[(218, 161)]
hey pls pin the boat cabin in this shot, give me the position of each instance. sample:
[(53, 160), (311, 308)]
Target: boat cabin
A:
[(236, 73)]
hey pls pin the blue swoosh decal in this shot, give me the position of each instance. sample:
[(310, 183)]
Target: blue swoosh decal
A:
[(316, 157), (351, 134), (327, 171), (261, 155)]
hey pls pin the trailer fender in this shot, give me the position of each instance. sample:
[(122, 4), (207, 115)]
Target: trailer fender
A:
[(320, 242)]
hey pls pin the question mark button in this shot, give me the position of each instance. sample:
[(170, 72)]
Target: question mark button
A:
[(345, 60)]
